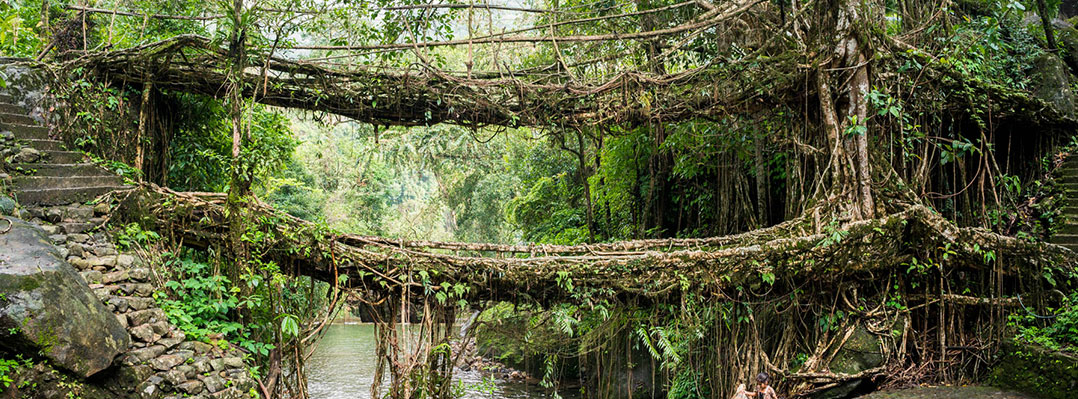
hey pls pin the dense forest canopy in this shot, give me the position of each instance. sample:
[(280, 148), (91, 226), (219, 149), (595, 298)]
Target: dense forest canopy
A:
[(679, 119), (671, 111), (586, 124)]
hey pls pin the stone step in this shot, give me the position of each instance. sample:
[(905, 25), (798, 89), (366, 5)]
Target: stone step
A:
[(63, 169), (46, 145), (64, 156), (21, 119), (11, 108), (1072, 178), (1068, 228), (77, 227), (40, 182), (132, 303), (4, 97), (1064, 239), (27, 132), (61, 196)]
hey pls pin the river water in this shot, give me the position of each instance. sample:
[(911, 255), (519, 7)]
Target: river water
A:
[(342, 367), (969, 392)]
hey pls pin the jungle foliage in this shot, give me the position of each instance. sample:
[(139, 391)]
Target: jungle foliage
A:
[(942, 123)]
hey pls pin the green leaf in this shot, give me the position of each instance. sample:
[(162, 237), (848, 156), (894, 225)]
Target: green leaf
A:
[(289, 325)]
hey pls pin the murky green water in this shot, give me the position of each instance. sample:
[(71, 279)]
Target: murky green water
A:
[(948, 393), (342, 367)]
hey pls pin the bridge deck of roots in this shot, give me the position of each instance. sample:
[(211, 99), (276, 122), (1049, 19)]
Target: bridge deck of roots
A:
[(913, 280)]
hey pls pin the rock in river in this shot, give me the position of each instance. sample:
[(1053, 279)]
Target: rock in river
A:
[(47, 308)]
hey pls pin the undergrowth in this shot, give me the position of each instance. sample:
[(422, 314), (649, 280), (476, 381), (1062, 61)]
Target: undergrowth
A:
[(201, 302), (9, 368), (1057, 331)]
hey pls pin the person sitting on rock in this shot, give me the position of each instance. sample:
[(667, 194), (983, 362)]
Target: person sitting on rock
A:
[(763, 389)]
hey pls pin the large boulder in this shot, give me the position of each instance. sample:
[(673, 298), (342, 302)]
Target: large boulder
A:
[(47, 308), (862, 351), (1051, 81)]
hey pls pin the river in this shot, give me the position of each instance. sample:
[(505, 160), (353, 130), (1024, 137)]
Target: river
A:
[(342, 367), (966, 392)]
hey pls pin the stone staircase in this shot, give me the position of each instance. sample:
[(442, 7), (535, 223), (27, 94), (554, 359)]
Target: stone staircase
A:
[(53, 187), (1067, 236), (46, 173)]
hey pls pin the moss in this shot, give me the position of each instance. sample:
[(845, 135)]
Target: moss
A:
[(45, 340), (1036, 370), (29, 284)]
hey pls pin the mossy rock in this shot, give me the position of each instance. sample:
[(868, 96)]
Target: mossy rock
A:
[(1051, 82), (861, 352), (41, 380), (47, 309), (7, 205), (1036, 370)]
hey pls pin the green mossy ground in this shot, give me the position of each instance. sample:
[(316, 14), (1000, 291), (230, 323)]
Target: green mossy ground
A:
[(1037, 371)]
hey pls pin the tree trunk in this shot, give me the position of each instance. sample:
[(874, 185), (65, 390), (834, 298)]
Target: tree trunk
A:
[(582, 158), (851, 174), (239, 187), (143, 120), (761, 181), (1046, 23), (659, 163), (45, 29)]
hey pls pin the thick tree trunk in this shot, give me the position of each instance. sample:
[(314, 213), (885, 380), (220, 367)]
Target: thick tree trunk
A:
[(850, 167), (239, 187), (837, 165), (858, 116)]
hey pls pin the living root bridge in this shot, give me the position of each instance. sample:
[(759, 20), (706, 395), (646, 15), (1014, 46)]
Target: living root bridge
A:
[(423, 95), (653, 270), (920, 298)]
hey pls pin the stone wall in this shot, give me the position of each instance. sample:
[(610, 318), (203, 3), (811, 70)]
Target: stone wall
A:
[(160, 361)]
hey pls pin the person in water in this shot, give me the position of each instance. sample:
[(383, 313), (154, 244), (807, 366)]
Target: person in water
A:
[(763, 389)]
